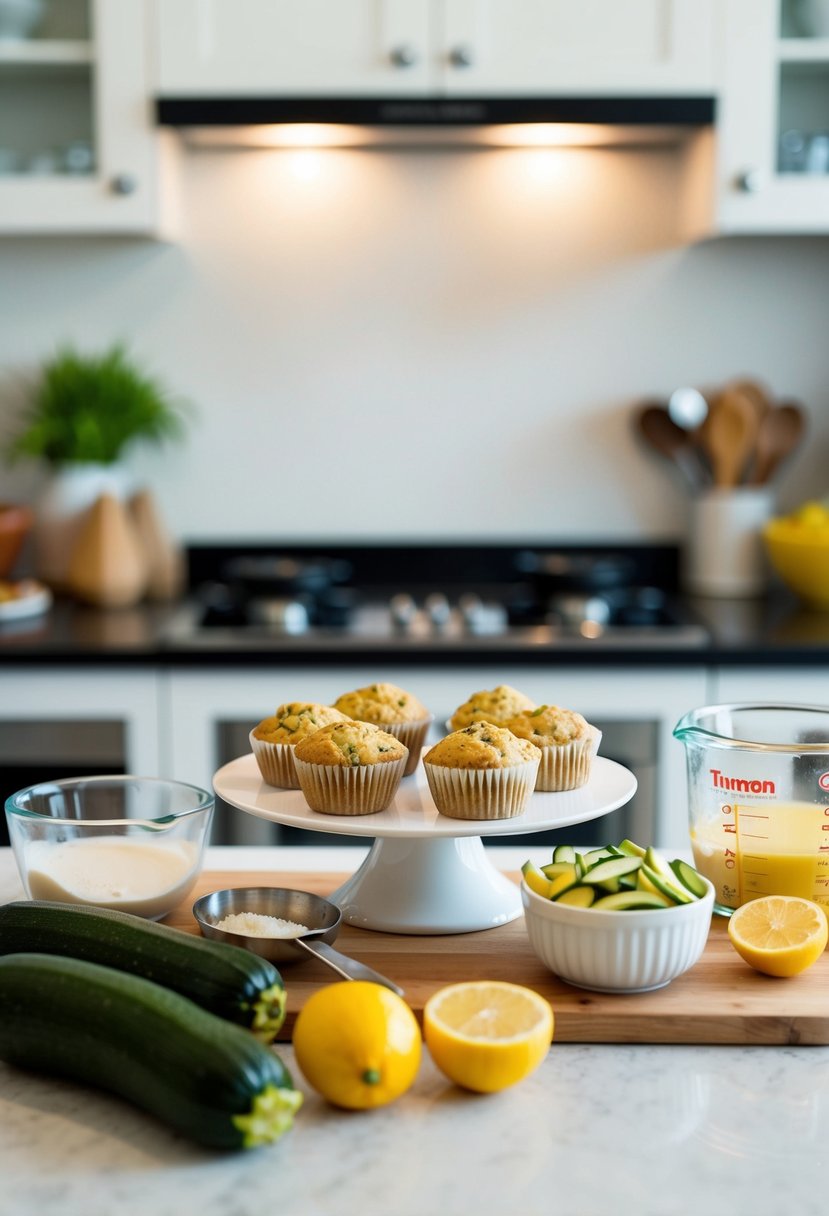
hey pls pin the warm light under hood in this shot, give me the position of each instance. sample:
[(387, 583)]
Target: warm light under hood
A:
[(462, 121)]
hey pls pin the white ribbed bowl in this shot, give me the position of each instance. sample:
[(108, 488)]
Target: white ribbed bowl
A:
[(617, 951)]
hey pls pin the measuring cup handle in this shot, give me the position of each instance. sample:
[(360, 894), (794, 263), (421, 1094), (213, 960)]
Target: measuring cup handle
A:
[(347, 967)]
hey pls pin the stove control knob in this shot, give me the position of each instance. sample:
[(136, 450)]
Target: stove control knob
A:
[(472, 610), (403, 610), (438, 609)]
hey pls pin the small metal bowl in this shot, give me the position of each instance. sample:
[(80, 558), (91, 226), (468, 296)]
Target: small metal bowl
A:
[(322, 918)]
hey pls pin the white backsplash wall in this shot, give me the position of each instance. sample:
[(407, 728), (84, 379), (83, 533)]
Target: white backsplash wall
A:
[(443, 345)]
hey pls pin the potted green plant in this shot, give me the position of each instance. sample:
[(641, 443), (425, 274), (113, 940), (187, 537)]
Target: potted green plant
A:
[(81, 417)]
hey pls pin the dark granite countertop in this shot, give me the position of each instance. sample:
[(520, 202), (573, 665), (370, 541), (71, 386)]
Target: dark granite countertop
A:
[(772, 631)]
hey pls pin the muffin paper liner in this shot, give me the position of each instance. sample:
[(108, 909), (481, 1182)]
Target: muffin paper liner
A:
[(335, 789), (276, 763), (475, 793), (411, 735), (567, 766)]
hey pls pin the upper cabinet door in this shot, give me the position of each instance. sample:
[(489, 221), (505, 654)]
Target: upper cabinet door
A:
[(322, 48), (592, 47), (76, 128), (773, 124), (417, 47)]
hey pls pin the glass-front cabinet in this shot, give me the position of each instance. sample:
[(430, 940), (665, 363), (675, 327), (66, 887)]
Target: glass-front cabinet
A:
[(77, 146), (774, 117)]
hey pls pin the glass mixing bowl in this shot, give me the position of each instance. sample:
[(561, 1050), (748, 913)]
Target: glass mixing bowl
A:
[(130, 843), (758, 799)]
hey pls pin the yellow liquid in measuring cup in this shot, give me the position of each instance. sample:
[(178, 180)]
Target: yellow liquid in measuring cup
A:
[(767, 849)]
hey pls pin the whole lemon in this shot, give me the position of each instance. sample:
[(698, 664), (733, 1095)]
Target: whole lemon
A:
[(358, 1044)]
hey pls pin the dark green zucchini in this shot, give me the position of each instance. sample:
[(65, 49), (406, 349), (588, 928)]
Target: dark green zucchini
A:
[(226, 980), (196, 1072)]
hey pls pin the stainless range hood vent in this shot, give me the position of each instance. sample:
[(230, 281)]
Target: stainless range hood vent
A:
[(413, 121)]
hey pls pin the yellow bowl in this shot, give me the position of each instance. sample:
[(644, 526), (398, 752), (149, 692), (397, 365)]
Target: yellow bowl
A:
[(800, 556)]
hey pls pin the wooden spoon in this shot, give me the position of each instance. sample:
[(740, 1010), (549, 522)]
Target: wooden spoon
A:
[(728, 435), (662, 433), (779, 433), (756, 393)]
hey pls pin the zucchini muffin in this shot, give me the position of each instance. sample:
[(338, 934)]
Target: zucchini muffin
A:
[(349, 768), (482, 772), (274, 739), (567, 743), (491, 705), (397, 711)]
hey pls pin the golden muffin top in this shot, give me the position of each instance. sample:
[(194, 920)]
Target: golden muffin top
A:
[(296, 720), (481, 745), (491, 705), (382, 704), (350, 744), (549, 726)]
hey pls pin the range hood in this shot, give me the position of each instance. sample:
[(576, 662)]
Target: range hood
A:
[(258, 121)]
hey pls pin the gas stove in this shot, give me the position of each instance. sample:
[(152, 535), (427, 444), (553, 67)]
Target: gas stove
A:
[(444, 599)]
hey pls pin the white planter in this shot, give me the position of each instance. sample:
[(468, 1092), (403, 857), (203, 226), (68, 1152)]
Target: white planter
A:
[(60, 513)]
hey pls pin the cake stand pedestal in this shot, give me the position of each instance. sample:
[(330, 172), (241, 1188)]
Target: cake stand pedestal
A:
[(426, 873)]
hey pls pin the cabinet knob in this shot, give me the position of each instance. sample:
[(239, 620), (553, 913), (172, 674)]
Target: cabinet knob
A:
[(123, 183), (404, 56), (749, 181), (462, 57)]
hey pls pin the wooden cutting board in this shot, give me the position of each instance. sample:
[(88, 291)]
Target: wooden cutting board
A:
[(721, 1000)]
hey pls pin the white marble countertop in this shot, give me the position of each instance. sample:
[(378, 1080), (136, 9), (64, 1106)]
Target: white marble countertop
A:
[(655, 1131)]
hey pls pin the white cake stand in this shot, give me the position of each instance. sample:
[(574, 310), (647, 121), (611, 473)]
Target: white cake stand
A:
[(426, 873)]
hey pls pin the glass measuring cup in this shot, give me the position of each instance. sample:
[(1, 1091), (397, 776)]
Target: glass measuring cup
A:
[(758, 799)]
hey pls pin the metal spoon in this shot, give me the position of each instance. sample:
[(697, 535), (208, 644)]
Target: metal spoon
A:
[(779, 433), (663, 434), (687, 408), (322, 918)]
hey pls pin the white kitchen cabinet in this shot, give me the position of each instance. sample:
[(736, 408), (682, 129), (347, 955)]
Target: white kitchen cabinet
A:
[(245, 48), (43, 702), (200, 706), (773, 119), (77, 141), (631, 47), (796, 685), (368, 48)]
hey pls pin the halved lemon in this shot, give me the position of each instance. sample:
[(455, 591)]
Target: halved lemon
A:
[(487, 1034), (779, 934)]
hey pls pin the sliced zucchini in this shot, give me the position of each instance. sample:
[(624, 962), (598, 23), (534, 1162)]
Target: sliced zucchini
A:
[(597, 855), (196, 1072), (631, 848), (554, 868), (564, 852), (630, 901), (689, 878), (671, 890), (578, 897), (670, 884), (611, 868), (536, 880), (226, 980), (563, 882)]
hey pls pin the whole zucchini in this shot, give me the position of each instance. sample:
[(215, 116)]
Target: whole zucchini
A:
[(203, 1076), (226, 980)]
